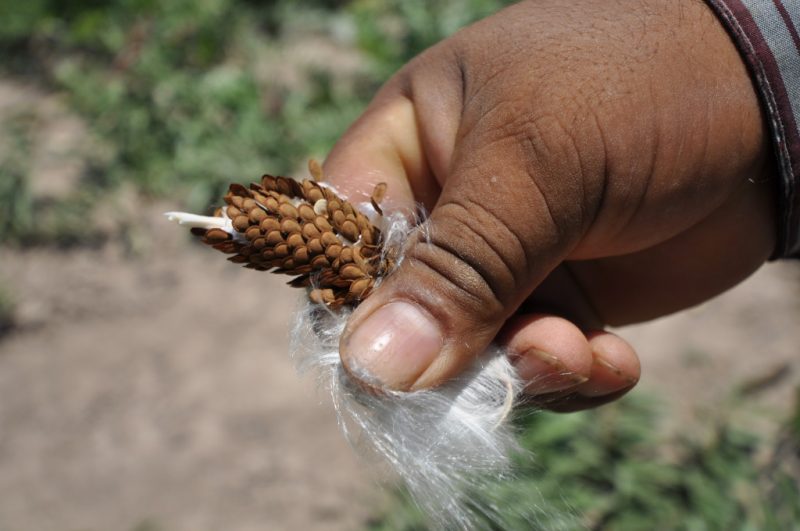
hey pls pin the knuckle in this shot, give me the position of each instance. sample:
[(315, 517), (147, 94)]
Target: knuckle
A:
[(564, 159), (551, 174), (546, 173), (477, 254)]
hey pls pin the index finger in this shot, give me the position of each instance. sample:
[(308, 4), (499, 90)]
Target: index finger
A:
[(382, 146)]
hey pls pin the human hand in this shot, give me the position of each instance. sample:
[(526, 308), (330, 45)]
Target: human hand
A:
[(585, 163)]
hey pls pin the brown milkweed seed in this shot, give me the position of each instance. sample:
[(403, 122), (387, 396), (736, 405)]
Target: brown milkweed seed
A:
[(322, 296), (217, 236), (284, 187), (350, 231), (306, 212), (351, 272), (268, 182), (274, 238), (272, 205), (260, 199), (257, 215), (241, 223), (315, 246), (315, 170), (314, 195), (379, 192), (287, 211), (360, 286), (238, 189), (295, 240), (333, 251), (329, 238), (362, 221), (270, 224), (322, 224), (366, 236), (310, 231), (289, 225), (300, 256), (346, 256), (307, 186), (319, 262), (252, 233)]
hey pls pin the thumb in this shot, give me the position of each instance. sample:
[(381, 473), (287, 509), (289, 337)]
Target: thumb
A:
[(490, 240)]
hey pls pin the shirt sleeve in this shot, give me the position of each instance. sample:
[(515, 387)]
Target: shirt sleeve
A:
[(766, 33)]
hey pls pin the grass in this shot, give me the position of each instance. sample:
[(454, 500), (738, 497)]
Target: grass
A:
[(16, 209), (185, 96), (610, 469), (7, 307)]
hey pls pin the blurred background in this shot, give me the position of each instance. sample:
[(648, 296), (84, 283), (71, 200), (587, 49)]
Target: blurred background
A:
[(144, 382)]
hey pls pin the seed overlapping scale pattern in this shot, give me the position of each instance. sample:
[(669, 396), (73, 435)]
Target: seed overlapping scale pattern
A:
[(302, 229)]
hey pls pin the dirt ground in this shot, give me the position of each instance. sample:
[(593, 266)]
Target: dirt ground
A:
[(158, 389), (154, 388), (147, 384)]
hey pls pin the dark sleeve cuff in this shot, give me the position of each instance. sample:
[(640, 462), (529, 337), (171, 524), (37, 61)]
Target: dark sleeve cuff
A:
[(766, 33)]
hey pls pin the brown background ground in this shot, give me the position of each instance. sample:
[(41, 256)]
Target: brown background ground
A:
[(158, 387), (148, 380)]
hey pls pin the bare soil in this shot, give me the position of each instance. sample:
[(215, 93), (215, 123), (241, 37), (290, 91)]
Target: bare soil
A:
[(157, 388), (147, 384)]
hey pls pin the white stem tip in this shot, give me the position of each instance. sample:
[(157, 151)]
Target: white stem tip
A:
[(193, 220)]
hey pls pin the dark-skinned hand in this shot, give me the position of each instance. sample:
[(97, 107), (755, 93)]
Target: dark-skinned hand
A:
[(585, 163)]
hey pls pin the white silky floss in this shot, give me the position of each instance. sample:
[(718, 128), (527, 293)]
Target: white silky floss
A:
[(447, 443)]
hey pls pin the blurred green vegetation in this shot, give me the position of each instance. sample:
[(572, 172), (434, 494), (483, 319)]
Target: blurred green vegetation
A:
[(186, 96), (16, 206), (611, 469), (7, 306), (183, 97)]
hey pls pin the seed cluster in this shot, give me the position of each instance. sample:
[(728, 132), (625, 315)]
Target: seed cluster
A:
[(303, 229)]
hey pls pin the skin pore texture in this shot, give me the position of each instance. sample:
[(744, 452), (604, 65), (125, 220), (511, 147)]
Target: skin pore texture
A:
[(584, 163)]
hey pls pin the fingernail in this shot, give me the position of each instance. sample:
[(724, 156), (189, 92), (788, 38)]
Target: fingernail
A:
[(545, 372), (606, 378), (393, 346)]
